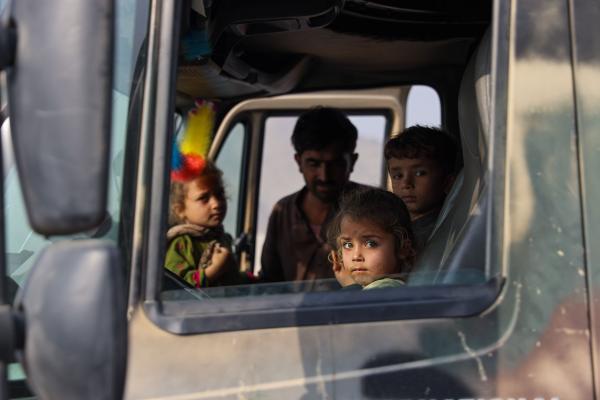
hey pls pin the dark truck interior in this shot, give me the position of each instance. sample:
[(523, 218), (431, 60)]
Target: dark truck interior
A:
[(245, 49), (232, 50)]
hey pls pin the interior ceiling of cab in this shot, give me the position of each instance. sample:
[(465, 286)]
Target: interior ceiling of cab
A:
[(341, 45)]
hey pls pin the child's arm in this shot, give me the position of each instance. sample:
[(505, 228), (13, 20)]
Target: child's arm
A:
[(180, 260), (220, 262)]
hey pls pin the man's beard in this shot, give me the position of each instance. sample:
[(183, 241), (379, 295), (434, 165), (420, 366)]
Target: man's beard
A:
[(330, 195)]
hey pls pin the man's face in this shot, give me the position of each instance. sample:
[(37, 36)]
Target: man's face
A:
[(326, 171), (420, 183)]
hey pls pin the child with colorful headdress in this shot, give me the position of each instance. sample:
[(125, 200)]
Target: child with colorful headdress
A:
[(199, 251)]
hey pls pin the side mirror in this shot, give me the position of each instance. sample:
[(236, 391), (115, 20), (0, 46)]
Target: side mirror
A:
[(59, 96), (74, 309)]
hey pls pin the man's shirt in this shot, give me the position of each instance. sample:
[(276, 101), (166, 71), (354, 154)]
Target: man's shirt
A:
[(292, 251)]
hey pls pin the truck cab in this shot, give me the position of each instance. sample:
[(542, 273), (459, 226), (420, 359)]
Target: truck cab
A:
[(502, 301)]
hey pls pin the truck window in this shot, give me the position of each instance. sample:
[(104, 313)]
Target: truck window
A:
[(455, 254), (279, 171), (231, 161), (423, 107)]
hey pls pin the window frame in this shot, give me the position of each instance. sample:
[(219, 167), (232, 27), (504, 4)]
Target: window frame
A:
[(243, 173), (265, 114), (291, 310), (184, 317)]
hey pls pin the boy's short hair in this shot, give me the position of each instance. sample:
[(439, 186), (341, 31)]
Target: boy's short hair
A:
[(381, 208), (424, 142), (321, 127)]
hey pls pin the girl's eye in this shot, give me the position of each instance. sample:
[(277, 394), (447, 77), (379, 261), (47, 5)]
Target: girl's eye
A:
[(397, 177), (203, 199), (420, 172), (370, 244), (346, 245)]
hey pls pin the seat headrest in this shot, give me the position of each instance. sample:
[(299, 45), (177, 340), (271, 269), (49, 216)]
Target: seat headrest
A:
[(483, 83), (475, 99), (457, 242)]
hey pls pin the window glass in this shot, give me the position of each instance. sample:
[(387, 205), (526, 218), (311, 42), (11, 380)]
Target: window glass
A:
[(423, 107), (456, 202), (279, 171), (22, 244), (230, 161)]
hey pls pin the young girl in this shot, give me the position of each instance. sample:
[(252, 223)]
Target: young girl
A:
[(199, 250), (372, 240)]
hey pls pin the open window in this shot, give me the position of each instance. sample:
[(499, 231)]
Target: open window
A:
[(423, 107), (449, 74), (279, 172)]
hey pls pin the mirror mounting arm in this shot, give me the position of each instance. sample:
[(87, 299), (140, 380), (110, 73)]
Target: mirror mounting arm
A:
[(12, 334), (8, 41)]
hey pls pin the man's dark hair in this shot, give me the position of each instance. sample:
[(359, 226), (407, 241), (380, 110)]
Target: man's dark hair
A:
[(424, 142), (321, 127)]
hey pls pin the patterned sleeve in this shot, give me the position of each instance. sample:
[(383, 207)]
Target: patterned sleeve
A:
[(180, 261)]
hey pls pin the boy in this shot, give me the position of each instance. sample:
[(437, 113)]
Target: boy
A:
[(421, 162)]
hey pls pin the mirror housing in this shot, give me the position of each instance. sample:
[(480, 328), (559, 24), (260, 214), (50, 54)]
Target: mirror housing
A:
[(59, 96), (74, 308)]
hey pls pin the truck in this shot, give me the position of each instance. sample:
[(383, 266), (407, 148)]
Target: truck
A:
[(503, 302)]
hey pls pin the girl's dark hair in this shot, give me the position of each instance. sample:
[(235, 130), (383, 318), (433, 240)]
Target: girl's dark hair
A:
[(179, 189), (382, 208)]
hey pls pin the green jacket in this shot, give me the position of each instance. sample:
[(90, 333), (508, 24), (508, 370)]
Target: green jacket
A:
[(183, 257), (190, 251)]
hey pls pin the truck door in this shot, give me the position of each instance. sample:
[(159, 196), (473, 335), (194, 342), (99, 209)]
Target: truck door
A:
[(486, 323)]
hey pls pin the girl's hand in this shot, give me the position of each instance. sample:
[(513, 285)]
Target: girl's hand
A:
[(218, 263), (342, 275)]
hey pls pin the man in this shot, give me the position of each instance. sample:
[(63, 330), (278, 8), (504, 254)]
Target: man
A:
[(296, 246)]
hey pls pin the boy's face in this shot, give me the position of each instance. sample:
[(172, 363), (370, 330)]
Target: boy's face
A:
[(368, 252), (204, 203), (326, 171), (420, 182)]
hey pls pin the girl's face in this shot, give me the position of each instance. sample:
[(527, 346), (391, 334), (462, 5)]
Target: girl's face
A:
[(204, 203), (368, 252)]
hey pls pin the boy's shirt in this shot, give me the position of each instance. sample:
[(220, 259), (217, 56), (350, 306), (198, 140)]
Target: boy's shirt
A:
[(423, 227)]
